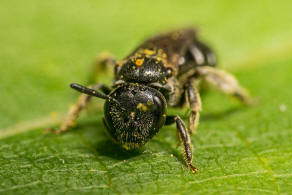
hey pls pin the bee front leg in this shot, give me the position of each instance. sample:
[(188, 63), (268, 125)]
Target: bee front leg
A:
[(185, 139), (225, 82), (75, 110), (194, 101)]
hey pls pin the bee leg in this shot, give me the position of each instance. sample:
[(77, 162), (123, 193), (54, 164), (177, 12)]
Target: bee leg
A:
[(169, 121), (104, 64), (74, 111), (184, 138), (225, 82), (194, 101)]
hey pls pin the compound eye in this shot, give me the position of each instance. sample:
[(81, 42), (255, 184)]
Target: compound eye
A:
[(169, 72), (160, 105)]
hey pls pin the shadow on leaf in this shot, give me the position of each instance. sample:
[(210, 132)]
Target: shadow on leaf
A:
[(221, 115), (102, 143), (113, 150)]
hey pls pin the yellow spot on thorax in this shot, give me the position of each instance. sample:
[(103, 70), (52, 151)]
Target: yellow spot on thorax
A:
[(149, 52), (139, 62), (158, 59)]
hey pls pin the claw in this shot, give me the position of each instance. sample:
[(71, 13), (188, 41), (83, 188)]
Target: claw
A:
[(193, 169)]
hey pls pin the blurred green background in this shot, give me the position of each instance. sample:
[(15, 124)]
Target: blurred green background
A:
[(45, 45)]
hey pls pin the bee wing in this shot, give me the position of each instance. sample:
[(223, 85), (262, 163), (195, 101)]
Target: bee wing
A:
[(174, 44)]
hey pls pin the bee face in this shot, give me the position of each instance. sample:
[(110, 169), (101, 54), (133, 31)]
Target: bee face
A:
[(136, 116)]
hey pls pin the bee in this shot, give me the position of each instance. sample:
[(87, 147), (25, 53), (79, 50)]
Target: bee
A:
[(164, 71)]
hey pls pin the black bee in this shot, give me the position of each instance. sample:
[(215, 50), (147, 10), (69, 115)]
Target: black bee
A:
[(165, 70)]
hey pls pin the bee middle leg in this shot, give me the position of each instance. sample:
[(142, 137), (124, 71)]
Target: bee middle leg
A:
[(194, 101), (225, 82), (184, 138), (74, 111)]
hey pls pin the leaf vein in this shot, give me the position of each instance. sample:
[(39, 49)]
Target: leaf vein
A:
[(264, 164)]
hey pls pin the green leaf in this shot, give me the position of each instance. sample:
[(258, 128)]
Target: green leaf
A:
[(45, 45)]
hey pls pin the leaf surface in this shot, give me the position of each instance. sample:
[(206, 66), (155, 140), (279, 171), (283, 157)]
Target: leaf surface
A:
[(47, 45)]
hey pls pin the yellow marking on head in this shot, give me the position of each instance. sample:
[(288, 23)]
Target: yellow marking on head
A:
[(141, 107), (171, 155), (149, 103), (126, 147), (164, 115), (139, 62), (132, 114)]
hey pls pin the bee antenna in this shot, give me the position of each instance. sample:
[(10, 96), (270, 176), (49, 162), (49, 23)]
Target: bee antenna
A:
[(88, 91), (95, 93)]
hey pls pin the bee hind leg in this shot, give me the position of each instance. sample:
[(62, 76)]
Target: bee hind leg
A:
[(225, 82)]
